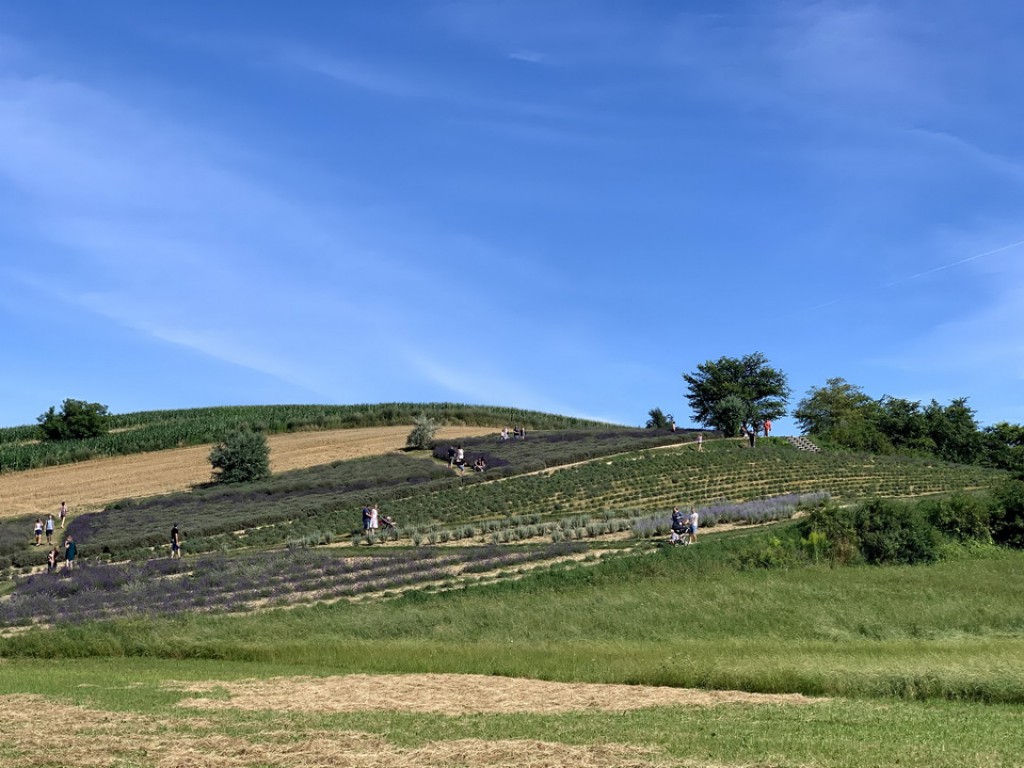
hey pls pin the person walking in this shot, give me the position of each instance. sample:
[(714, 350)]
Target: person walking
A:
[(51, 560), (175, 542), (63, 513), (38, 531), (49, 529), (70, 553)]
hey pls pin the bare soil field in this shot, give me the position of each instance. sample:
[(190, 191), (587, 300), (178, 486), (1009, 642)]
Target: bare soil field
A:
[(90, 485)]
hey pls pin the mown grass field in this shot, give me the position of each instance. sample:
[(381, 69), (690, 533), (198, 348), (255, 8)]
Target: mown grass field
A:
[(837, 666)]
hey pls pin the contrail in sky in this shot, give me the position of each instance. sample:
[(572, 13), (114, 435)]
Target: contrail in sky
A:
[(908, 278), (954, 264)]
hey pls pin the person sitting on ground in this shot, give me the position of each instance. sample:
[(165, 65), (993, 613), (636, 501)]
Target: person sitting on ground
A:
[(504, 433), (479, 465)]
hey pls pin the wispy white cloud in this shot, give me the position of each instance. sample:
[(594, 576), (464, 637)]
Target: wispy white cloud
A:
[(530, 57), (1007, 167), (357, 74), (159, 237), (981, 333)]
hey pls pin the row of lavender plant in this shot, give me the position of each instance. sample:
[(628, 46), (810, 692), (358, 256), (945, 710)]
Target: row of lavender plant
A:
[(742, 513), (220, 583)]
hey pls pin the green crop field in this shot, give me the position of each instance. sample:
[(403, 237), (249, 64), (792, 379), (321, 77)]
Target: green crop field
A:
[(283, 640)]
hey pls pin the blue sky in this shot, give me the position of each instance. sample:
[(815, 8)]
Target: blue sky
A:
[(552, 205)]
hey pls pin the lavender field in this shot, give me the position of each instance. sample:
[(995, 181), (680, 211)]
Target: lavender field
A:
[(224, 584)]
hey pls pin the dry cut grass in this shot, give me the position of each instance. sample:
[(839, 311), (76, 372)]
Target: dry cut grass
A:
[(90, 485), (457, 695), (93, 738)]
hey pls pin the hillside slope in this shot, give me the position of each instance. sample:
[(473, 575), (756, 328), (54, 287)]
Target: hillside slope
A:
[(90, 485)]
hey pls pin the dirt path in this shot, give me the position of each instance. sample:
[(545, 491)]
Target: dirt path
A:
[(90, 485)]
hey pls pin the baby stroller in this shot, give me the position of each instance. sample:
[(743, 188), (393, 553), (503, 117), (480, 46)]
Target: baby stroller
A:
[(679, 530), (388, 528)]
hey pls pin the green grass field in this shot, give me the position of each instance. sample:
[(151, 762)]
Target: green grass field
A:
[(907, 665)]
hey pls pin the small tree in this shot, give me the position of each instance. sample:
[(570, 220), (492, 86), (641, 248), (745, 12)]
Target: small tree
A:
[(77, 419), (242, 456), (659, 420), (422, 435)]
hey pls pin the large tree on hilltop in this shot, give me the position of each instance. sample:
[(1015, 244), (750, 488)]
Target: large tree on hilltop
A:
[(731, 393)]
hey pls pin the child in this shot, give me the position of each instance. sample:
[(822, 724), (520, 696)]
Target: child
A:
[(51, 560)]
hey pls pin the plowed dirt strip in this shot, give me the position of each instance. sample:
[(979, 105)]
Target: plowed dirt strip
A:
[(91, 738), (458, 695), (90, 485)]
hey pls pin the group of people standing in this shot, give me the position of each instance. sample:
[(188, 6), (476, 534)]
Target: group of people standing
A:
[(684, 526), (70, 553), (373, 521), (518, 433), (47, 528)]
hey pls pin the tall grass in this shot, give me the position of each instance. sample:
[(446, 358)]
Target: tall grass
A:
[(684, 617)]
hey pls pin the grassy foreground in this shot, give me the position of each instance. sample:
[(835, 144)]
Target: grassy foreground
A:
[(953, 630), (148, 718), (925, 667)]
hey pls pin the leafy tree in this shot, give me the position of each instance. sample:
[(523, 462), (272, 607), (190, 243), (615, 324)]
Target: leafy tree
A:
[(730, 393), (77, 419), (824, 409), (1003, 445), (422, 435), (904, 424), (954, 431), (659, 420), (242, 456)]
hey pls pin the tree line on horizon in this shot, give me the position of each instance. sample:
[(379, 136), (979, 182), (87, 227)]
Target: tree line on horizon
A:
[(732, 395)]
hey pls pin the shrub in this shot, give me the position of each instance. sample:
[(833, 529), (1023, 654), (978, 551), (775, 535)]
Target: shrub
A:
[(1008, 514), (833, 530), (243, 456), (422, 435), (893, 533), (962, 517), (772, 552)]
